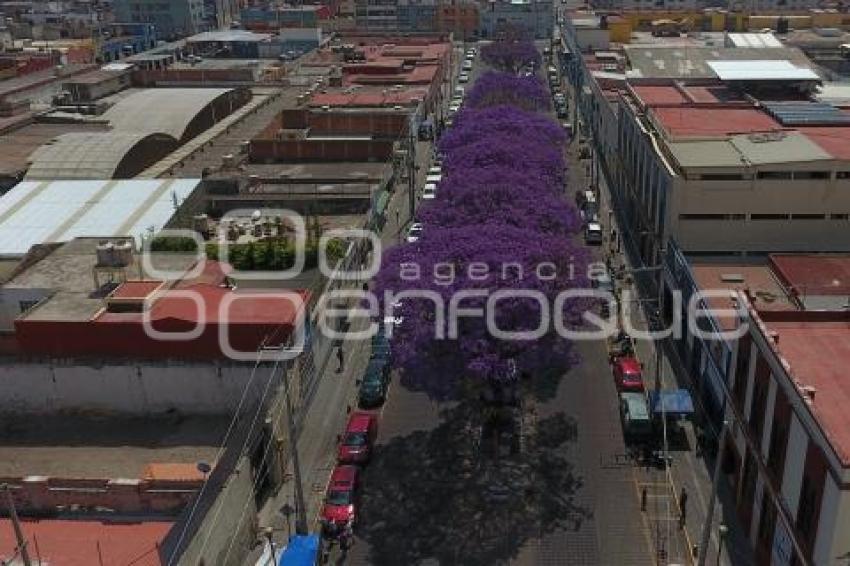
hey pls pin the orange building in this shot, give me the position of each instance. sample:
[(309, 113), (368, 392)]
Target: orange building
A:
[(459, 17)]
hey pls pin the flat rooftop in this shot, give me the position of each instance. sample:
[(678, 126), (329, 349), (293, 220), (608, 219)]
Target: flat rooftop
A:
[(92, 447), (333, 172), (763, 285), (691, 61), (83, 543), (17, 146), (68, 272), (817, 353)]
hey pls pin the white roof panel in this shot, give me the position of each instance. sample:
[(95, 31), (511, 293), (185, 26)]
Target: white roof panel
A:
[(58, 211), (755, 70)]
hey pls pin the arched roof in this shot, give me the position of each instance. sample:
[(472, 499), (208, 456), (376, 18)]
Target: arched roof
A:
[(92, 155), (162, 110)]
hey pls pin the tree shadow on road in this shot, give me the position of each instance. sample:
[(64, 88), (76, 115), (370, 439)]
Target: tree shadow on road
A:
[(432, 495)]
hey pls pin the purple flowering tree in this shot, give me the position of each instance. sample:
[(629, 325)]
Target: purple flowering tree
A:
[(496, 89), (472, 125), (483, 258), (511, 55)]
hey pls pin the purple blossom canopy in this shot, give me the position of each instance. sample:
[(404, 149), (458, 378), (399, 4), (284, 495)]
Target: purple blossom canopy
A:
[(473, 125), (510, 55), (498, 89), (486, 257)]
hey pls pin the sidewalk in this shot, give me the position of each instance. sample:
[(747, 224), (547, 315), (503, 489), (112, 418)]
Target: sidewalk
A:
[(688, 470)]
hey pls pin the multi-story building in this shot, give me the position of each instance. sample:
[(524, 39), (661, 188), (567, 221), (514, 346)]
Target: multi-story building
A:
[(531, 17), (376, 15), (176, 18), (459, 17), (781, 390), (417, 15)]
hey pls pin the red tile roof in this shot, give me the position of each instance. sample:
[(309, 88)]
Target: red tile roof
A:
[(135, 289), (169, 471), (814, 274), (87, 543), (835, 140), (655, 95), (818, 353), (711, 122)]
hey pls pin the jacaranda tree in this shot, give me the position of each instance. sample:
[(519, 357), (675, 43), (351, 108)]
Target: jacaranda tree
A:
[(495, 89), (498, 238), (511, 55)]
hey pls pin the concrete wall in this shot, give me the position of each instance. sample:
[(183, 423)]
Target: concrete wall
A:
[(229, 530), (10, 304), (42, 495), (131, 388)]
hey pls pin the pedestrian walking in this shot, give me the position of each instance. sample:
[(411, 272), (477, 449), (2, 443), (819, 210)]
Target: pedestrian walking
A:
[(683, 507), (340, 356)]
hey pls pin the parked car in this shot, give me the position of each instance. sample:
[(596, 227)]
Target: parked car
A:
[(463, 78), (339, 509), (460, 92), (436, 178), (593, 234), (634, 414), (356, 444), (628, 374), (467, 65), (603, 282), (429, 192), (373, 387), (435, 169), (414, 232)]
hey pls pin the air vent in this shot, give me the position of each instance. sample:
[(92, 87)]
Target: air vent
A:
[(732, 278)]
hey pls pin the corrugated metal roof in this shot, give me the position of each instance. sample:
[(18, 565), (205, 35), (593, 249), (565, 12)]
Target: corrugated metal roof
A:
[(161, 111), (705, 154), (38, 212), (778, 147), (761, 70), (757, 40)]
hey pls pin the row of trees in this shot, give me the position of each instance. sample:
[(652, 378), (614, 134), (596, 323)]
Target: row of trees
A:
[(499, 224)]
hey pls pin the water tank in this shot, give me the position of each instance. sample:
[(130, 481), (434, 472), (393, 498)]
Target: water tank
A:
[(105, 254), (123, 253)]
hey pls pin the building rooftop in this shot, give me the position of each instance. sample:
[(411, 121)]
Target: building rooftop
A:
[(83, 543), (817, 352), (681, 122), (819, 282), (37, 212), (692, 62), (758, 279), (229, 36), (369, 97), (94, 447), (17, 146)]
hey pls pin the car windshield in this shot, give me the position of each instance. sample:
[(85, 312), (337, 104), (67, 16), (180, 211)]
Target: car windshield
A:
[(339, 497), (355, 439)]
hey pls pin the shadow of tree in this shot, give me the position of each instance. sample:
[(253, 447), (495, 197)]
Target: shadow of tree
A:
[(433, 496)]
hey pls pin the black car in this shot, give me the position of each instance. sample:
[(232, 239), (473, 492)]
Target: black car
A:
[(373, 387)]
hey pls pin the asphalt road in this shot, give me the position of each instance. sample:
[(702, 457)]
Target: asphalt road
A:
[(572, 497)]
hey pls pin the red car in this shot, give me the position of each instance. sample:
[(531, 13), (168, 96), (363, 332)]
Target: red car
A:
[(628, 374), (355, 446), (339, 509)]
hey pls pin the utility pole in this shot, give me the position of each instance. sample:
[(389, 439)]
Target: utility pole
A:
[(715, 479), (19, 534), (301, 527)]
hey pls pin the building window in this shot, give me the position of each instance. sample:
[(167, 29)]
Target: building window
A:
[(721, 177), (769, 216), (808, 505), (806, 175), (701, 217), (26, 305), (839, 216), (808, 216), (842, 175), (776, 175)]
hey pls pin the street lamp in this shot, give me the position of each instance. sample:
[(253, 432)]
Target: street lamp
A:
[(722, 531), (269, 532)]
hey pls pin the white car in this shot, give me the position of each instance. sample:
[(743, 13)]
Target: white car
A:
[(434, 178), (467, 65), (460, 92), (454, 108), (463, 78), (429, 192), (414, 232), (435, 170)]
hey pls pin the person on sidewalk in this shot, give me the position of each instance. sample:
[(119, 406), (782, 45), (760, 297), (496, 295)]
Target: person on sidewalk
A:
[(340, 356), (683, 507)]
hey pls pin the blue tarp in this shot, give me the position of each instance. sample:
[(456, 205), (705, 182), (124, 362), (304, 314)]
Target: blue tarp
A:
[(302, 550), (676, 402)]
